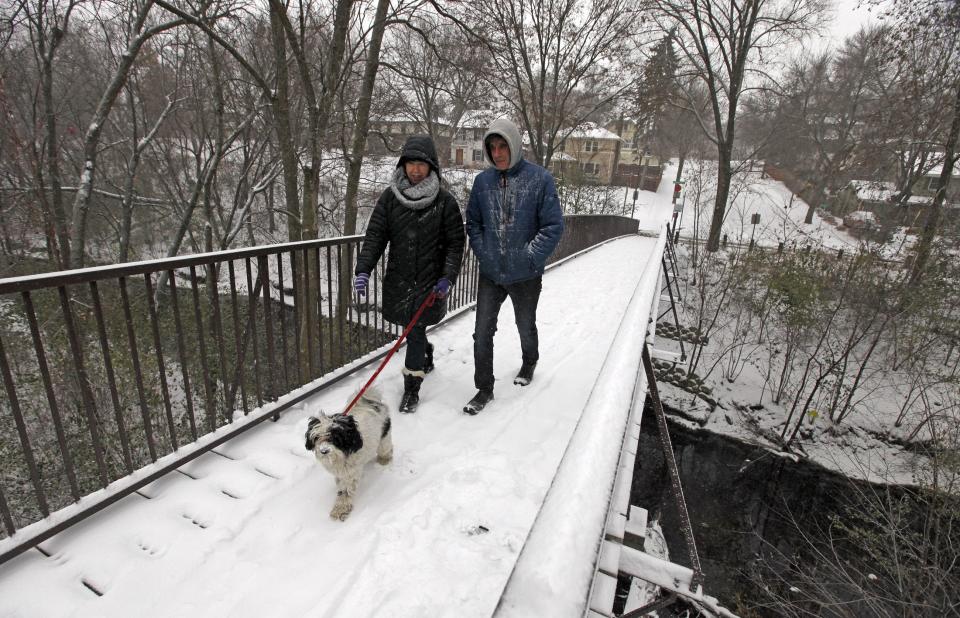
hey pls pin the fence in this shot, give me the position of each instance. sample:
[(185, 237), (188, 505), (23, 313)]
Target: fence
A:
[(110, 369)]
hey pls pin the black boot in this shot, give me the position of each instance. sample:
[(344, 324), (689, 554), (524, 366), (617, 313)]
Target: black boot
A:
[(411, 391), (479, 401), (428, 359), (525, 375)]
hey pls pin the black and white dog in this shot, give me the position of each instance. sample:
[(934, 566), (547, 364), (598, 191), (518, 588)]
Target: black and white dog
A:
[(345, 443)]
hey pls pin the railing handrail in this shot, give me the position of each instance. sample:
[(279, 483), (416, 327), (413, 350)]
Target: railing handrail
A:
[(74, 276), (279, 322), (58, 278)]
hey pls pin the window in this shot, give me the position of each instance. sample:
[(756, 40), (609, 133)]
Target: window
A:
[(591, 169), (933, 183), (591, 146), (478, 134), (477, 154)]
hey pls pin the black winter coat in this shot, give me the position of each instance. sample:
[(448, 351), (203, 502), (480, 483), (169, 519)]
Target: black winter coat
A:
[(425, 245)]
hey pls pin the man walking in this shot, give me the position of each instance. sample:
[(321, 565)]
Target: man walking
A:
[(514, 223)]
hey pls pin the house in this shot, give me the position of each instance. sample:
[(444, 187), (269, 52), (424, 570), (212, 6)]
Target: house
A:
[(636, 165), (927, 185), (589, 150), (862, 194), (388, 133), (460, 148), (466, 145)]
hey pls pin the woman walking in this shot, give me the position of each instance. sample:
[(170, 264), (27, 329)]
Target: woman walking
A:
[(421, 223)]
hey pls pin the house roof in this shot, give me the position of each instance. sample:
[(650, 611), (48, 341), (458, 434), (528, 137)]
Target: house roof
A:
[(392, 118), (878, 191), (592, 131), (937, 170), (861, 215), (873, 190), (478, 118)]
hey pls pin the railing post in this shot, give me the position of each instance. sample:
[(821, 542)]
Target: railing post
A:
[(671, 463), (89, 405)]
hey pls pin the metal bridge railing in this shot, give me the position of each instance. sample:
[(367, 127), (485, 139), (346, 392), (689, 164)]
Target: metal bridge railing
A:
[(109, 369)]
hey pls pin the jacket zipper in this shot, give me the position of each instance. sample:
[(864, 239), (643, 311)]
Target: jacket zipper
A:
[(505, 210)]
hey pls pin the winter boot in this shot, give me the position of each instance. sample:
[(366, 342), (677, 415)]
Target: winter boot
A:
[(525, 375), (428, 359), (479, 401), (411, 390)]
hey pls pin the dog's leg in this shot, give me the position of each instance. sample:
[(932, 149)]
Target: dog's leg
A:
[(385, 450), (344, 504)]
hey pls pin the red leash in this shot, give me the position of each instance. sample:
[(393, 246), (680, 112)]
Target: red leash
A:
[(427, 302)]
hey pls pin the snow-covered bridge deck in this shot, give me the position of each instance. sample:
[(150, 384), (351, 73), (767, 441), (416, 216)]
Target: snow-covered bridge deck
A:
[(501, 513)]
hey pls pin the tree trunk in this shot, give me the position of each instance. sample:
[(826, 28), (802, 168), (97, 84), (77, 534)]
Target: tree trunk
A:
[(280, 105), (724, 175), (363, 118), (62, 250), (616, 151), (683, 159), (932, 223), (319, 120), (356, 159), (815, 197)]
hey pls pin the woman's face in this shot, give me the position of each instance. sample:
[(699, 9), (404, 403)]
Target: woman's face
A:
[(416, 170)]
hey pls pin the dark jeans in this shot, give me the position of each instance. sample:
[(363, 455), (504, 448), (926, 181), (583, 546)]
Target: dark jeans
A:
[(524, 295), (416, 347)]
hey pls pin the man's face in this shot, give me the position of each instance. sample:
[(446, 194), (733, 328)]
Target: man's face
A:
[(499, 152)]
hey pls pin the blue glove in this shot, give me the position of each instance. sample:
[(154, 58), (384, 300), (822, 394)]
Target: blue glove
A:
[(442, 288), (360, 283)]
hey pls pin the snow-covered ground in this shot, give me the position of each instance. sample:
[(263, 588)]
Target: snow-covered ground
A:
[(781, 212), (869, 444)]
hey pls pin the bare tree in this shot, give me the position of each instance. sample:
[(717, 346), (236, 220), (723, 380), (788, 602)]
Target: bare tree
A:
[(435, 75), (48, 36), (830, 99), (318, 106), (728, 48), (557, 63), (139, 31)]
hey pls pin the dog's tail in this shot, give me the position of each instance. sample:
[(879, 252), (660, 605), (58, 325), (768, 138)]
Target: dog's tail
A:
[(373, 398)]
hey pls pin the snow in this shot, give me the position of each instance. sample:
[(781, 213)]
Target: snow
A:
[(874, 191), (244, 530), (592, 131), (554, 571), (937, 170), (506, 504), (781, 212), (864, 216)]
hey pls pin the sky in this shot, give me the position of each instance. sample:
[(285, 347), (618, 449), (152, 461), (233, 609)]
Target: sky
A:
[(446, 529), (848, 17)]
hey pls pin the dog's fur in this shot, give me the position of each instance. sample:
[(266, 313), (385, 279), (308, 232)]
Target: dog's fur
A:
[(345, 443)]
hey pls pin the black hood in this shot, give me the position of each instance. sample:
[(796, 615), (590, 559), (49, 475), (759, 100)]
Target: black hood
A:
[(420, 148)]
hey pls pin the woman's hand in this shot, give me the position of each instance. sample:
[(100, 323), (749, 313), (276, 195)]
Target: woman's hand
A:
[(360, 283), (442, 288)]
